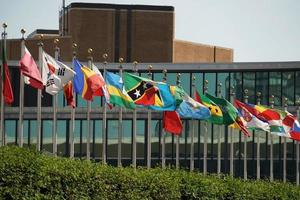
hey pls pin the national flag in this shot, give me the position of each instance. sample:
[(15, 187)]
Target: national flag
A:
[(249, 120), (172, 122), (178, 93), (230, 113), (7, 89), (190, 108), (30, 71), (68, 93), (117, 91), (55, 74), (141, 90), (166, 98), (216, 112), (92, 83), (78, 80)]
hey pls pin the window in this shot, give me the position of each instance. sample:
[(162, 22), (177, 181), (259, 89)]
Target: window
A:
[(288, 87), (275, 87)]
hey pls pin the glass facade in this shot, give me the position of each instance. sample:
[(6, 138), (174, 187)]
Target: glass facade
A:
[(278, 83)]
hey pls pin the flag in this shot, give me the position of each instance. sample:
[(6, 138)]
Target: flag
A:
[(166, 98), (68, 93), (55, 74), (172, 122), (117, 91), (216, 112), (104, 90), (249, 120), (230, 113), (178, 94), (30, 71), (7, 89), (92, 83), (141, 90), (191, 109), (78, 80)]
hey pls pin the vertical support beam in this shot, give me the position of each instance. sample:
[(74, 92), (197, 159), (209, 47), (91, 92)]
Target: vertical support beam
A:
[(120, 130), (285, 101), (134, 124), (271, 144), (89, 108), (258, 144), (105, 56), (21, 101), (163, 134), (177, 163), (149, 127), (297, 146), (39, 95), (193, 121), (205, 136), (54, 101), (245, 142), (231, 136), (219, 134)]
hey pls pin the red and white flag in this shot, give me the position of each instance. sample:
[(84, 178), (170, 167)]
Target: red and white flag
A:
[(30, 71)]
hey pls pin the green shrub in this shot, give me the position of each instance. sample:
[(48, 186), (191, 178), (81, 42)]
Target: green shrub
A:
[(27, 174)]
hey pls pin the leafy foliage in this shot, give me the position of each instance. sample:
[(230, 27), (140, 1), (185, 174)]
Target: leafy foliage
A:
[(27, 174)]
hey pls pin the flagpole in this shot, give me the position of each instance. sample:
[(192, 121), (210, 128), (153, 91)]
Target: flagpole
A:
[(177, 136), (120, 120), (219, 136), (21, 99), (134, 125), (39, 96), (271, 144), (245, 141), (205, 135), (258, 145), (231, 136), (89, 108), (149, 127), (2, 133), (297, 146), (163, 134), (192, 162), (105, 56), (72, 121), (284, 144), (54, 99)]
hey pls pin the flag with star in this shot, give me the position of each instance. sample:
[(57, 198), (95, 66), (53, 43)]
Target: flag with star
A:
[(141, 90)]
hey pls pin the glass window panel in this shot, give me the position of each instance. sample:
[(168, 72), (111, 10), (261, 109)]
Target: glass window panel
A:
[(275, 86), (297, 89), (155, 133), (96, 103), (32, 131), (158, 76), (80, 101), (171, 78), (185, 82), (262, 85), (84, 134), (61, 137), (25, 133), (112, 139), (223, 78), (237, 82), (98, 138), (60, 99), (140, 139), (47, 135), (77, 145), (126, 140), (288, 86), (211, 77), (209, 140), (10, 131), (185, 130), (249, 84), (198, 82)]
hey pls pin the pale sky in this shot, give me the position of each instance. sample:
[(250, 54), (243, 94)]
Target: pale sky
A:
[(257, 30)]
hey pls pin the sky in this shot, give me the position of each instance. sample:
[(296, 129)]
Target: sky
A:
[(257, 30)]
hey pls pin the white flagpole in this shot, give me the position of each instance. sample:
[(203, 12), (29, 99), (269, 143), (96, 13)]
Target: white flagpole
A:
[(192, 162), (231, 136), (104, 115), (177, 136), (21, 99), (54, 99), (39, 96), (245, 142), (89, 108), (297, 146), (2, 132), (205, 136), (219, 136), (285, 101), (72, 120), (120, 130), (258, 145), (271, 144), (163, 134), (149, 127), (134, 125)]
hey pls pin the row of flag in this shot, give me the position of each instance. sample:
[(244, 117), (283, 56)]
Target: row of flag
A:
[(131, 91)]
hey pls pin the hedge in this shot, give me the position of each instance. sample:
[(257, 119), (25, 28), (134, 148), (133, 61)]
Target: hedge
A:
[(27, 174)]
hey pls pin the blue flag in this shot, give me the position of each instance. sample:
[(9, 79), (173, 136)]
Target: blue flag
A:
[(166, 97), (189, 108), (78, 78)]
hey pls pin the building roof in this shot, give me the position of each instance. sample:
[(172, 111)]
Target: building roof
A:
[(43, 31)]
